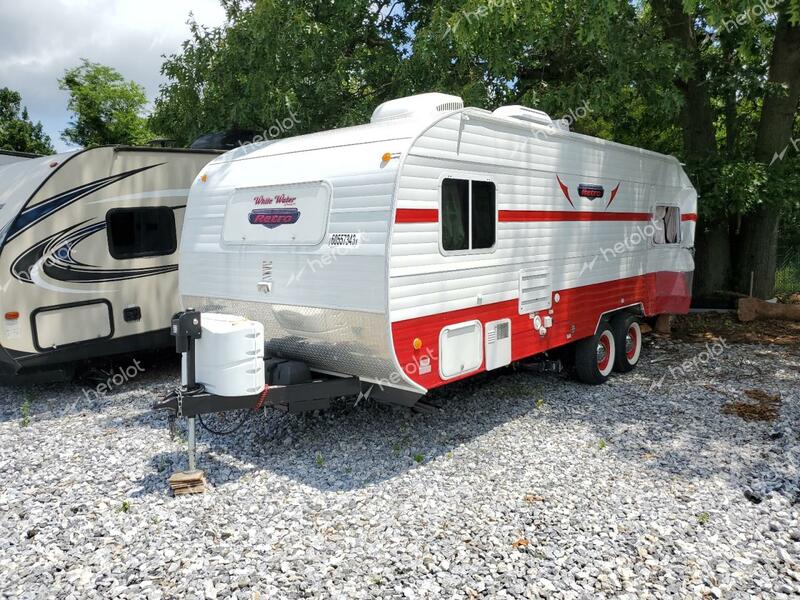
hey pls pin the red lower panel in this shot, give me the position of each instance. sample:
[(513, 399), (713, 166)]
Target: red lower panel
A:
[(575, 316)]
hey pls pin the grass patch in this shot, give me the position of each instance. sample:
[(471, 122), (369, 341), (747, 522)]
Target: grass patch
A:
[(26, 410)]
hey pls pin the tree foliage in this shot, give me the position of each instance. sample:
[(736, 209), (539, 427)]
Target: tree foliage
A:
[(711, 82), (17, 132), (107, 109), (327, 62)]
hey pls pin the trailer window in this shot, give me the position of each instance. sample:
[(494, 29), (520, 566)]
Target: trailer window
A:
[(667, 224), (469, 217), (141, 232)]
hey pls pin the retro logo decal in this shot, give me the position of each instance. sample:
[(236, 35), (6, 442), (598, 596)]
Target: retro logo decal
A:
[(281, 212), (589, 191), (274, 217)]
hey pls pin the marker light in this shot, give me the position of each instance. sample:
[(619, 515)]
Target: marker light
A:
[(54, 164), (12, 316), (203, 177), (417, 343), (387, 157)]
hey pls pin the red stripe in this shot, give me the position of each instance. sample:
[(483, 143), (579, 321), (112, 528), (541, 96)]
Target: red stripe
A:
[(431, 215), (518, 216), (417, 215), (575, 316)]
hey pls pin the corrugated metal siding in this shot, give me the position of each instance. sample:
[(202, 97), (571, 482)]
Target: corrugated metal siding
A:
[(344, 278), (524, 166)]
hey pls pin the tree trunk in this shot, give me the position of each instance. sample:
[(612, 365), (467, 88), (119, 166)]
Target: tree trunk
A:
[(712, 259), (757, 253), (697, 115), (759, 237)]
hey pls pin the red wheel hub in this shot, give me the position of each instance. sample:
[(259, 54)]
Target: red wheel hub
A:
[(631, 342), (603, 352)]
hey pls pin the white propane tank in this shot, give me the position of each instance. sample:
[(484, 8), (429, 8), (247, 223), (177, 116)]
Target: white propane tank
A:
[(229, 356)]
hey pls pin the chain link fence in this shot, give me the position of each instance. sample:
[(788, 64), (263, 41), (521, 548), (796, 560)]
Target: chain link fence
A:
[(787, 276)]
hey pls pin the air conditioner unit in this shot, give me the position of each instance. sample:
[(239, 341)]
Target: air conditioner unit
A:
[(421, 105), (498, 344)]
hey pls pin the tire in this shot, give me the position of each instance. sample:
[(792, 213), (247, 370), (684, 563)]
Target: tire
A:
[(594, 356), (628, 337)]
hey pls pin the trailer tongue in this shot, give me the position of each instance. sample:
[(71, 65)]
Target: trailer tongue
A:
[(240, 384)]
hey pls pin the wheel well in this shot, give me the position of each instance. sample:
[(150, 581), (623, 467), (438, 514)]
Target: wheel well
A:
[(636, 309)]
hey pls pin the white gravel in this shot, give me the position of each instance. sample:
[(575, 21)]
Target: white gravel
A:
[(523, 485)]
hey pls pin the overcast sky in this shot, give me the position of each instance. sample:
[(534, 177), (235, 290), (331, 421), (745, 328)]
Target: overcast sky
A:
[(39, 39)]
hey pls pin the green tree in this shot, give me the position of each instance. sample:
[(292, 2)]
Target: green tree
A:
[(17, 132), (107, 109), (328, 63), (715, 83), (740, 78)]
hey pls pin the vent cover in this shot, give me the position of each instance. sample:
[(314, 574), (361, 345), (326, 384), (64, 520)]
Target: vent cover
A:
[(448, 106), (523, 113), (535, 290), (498, 344), (266, 270), (502, 330)]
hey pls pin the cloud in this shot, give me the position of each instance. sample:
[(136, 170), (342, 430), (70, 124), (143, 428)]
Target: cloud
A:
[(40, 40)]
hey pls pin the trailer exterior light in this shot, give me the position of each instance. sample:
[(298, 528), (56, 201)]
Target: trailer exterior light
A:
[(203, 177), (387, 157), (417, 344), (12, 316)]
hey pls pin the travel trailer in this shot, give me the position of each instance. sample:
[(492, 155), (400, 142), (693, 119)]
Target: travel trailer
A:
[(432, 244), (88, 253), (8, 156)]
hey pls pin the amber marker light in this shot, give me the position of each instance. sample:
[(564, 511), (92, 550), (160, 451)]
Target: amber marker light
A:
[(203, 177), (387, 157), (417, 344)]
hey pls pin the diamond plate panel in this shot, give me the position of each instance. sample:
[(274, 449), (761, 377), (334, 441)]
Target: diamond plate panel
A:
[(347, 342)]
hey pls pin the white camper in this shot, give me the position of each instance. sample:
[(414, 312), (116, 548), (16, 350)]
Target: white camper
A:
[(88, 253), (437, 242), (8, 156)]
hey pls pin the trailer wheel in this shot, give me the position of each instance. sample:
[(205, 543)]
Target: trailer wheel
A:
[(628, 336), (595, 356)]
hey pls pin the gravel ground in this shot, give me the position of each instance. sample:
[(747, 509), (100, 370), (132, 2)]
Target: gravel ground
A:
[(522, 485)]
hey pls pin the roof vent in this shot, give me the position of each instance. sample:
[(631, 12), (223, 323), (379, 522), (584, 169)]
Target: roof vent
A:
[(416, 106), (523, 113)]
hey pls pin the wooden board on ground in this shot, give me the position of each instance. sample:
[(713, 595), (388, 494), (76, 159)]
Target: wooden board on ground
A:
[(188, 482), (753, 309)]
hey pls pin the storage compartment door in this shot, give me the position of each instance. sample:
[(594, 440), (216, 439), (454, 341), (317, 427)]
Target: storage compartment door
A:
[(56, 326), (460, 349)]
